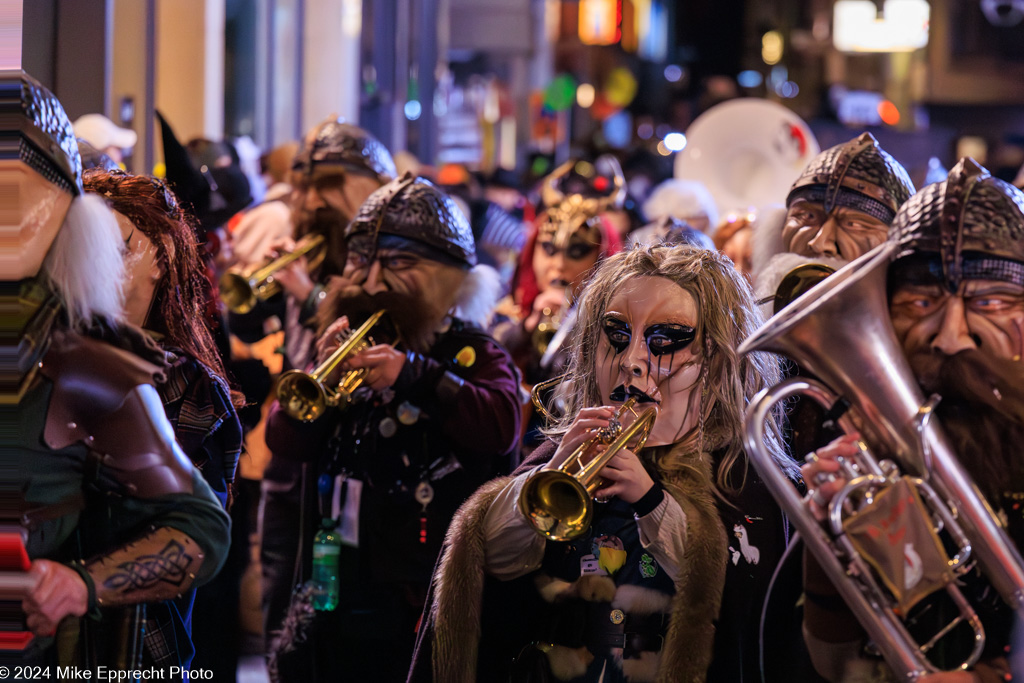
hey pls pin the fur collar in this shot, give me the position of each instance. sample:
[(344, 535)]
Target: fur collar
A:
[(478, 296), (459, 582)]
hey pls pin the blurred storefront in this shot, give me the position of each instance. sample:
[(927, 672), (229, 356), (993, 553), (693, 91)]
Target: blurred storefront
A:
[(495, 83)]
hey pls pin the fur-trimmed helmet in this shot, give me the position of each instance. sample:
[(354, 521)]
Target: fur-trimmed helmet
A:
[(858, 174), (39, 133), (336, 144), (415, 209), (970, 225)]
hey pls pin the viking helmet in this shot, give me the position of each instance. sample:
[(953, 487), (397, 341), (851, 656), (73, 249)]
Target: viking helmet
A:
[(40, 131), (415, 209), (970, 225), (334, 143), (858, 174)]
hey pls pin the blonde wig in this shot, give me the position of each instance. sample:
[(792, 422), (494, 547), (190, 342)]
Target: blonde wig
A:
[(727, 315)]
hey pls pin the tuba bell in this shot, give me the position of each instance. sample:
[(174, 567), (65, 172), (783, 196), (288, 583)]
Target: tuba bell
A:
[(241, 288), (306, 397), (558, 502), (746, 152), (840, 331)]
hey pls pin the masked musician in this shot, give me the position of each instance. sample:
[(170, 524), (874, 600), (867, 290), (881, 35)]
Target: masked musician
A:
[(438, 415), (337, 167), (665, 582), (567, 240), (839, 208), (956, 297), (112, 512)]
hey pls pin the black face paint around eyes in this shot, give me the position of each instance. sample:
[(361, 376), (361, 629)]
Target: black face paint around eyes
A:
[(668, 338), (618, 334), (579, 251), (128, 239)]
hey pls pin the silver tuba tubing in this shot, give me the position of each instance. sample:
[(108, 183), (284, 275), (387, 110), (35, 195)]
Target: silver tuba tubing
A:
[(864, 597), (866, 366)]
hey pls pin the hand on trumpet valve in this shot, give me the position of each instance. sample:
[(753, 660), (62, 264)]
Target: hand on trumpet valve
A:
[(584, 427), (332, 338), (294, 277), (383, 364), (822, 472)]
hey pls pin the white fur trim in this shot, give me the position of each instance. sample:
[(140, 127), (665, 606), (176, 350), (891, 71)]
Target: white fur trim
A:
[(640, 600), (552, 589), (568, 663), (642, 669), (478, 296), (85, 266), (766, 240)]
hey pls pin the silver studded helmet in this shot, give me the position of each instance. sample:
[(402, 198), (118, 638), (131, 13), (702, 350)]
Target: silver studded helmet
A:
[(334, 145), (969, 226), (415, 209), (40, 136), (858, 174)]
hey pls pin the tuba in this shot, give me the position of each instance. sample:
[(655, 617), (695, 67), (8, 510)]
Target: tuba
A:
[(558, 502), (746, 152), (306, 397), (241, 288), (840, 331)]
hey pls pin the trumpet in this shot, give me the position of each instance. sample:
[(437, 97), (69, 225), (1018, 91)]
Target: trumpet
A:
[(840, 331), (306, 397), (241, 288), (545, 330), (558, 502)]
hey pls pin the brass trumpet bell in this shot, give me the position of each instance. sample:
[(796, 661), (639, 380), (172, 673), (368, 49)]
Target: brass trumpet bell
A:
[(306, 397), (558, 503), (241, 288)]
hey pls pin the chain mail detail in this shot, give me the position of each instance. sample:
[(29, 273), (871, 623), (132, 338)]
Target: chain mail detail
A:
[(45, 140), (970, 211), (335, 142), (859, 165), (419, 211)]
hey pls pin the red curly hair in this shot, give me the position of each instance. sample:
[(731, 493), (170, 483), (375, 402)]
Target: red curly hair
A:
[(180, 308)]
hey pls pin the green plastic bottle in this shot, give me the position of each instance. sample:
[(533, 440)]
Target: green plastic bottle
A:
[(326, 554)]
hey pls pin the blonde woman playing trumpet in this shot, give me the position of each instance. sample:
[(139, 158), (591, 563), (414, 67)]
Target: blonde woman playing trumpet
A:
[(668, 580)]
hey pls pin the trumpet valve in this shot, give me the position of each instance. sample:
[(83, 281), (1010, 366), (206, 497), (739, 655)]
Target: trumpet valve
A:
[(606, 435)]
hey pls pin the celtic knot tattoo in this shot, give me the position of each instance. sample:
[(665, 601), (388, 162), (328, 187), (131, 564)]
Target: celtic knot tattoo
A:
[(169, 566)]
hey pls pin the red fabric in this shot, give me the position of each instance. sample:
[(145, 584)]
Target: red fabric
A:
[(13, 555)]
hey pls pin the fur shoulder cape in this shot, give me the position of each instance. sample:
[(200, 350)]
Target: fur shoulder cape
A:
[(453, 617)]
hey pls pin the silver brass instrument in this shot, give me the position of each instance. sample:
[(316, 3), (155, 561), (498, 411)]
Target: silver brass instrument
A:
[(241, 288), (306, 397), (558, 502), (840, 331)]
